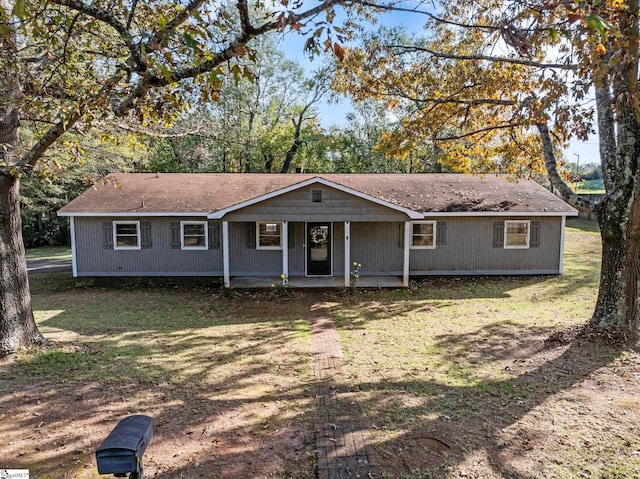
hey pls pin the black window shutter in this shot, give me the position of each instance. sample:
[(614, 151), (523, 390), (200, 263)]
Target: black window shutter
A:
[(145, 234), (214, 234), (441, 234), (534, 238), (175, 235), (498, 234), (107, 229), (250, 229), (401, 235)]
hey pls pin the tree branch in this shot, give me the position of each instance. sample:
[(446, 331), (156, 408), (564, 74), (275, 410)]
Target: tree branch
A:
[(489, 58), (149, 80), (551, 166), (154, 134), (179, 19), (392, 8), (65, 124), (465, 101), (243, 11), (110, 20), (477, 132), (607, 134)]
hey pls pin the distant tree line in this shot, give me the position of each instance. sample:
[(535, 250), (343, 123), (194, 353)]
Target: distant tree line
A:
[(267, 123)]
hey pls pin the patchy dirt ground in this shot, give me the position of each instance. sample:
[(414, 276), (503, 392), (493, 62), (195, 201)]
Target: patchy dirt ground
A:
[(455, 379), (564, 412), (54, 429), (230, 392)]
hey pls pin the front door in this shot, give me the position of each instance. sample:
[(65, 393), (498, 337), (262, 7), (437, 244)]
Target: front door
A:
[(319, 249)]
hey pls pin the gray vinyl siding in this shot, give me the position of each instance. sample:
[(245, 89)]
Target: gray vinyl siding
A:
[(93, 259), (377, 247), (469, 250), (336, 205), (245, 259), (297, 258)]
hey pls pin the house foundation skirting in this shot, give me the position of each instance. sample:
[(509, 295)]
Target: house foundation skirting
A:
[(301, 282)]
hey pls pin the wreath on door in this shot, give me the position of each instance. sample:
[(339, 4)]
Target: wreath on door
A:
[(319, 235)]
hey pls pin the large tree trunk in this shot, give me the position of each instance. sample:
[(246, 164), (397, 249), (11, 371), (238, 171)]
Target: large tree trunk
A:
[(617, 309), (17, 326), (618, 305)]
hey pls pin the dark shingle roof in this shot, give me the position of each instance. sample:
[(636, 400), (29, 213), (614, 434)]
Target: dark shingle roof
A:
[(150, 193)]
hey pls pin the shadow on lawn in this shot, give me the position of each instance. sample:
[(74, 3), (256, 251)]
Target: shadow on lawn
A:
[(447, 425), (239, 402), (230, 394)]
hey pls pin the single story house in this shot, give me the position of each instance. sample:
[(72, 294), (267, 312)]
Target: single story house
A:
[(250, 229)]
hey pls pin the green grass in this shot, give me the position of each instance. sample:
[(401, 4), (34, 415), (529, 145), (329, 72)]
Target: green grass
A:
[(465, 361), (235, 367), (49, 253), (581, 226), (157, 331), (591, 187)]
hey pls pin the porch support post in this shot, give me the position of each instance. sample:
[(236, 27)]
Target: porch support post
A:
[(285, 248), (407, 249), (74, 260), (225, 253), (347, 254), (562, 227)]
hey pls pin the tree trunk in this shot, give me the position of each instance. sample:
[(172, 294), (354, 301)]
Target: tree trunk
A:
[(617, 310), (297, 142), (17, 325)]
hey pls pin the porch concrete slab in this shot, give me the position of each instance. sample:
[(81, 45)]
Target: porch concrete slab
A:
[(320, 282)]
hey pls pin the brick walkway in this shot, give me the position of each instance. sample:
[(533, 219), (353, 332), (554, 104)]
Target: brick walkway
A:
[(343, 443)]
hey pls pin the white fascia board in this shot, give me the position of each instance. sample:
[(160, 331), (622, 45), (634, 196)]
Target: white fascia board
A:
[(414, 215), (431, 214), (136, 215)]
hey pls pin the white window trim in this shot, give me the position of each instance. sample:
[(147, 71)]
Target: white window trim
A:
[(206, 235), (433, 246), (528, 223), (115, 236), (258, 223)]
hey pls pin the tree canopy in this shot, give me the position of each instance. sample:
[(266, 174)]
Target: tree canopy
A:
[(489, 87), (70, 64), (499, 87)]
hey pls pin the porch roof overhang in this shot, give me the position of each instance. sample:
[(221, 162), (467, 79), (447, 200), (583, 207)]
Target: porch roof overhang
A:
[(411, 214)]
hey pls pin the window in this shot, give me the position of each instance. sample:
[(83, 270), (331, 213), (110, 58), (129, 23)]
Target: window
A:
[(194, 235), (424, 235), (269, 235), (126, 235), (516, 234), (316, 196)]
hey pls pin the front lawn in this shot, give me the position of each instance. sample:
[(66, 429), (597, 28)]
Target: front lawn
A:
[(457, 380), (227, 381), (49, 253)]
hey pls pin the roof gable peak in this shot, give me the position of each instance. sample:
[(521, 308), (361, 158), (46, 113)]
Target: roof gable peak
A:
[(309, 182)]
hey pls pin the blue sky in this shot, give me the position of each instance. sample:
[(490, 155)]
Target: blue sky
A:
[(334, 114)]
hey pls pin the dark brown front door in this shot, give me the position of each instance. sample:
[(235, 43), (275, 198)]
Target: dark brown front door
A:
[(319, 249)]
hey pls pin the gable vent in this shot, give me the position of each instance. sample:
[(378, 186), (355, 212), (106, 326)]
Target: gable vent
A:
[(316, 196)]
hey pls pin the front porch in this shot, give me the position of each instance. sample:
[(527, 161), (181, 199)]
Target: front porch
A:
[(314, 254), (302, 282)]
